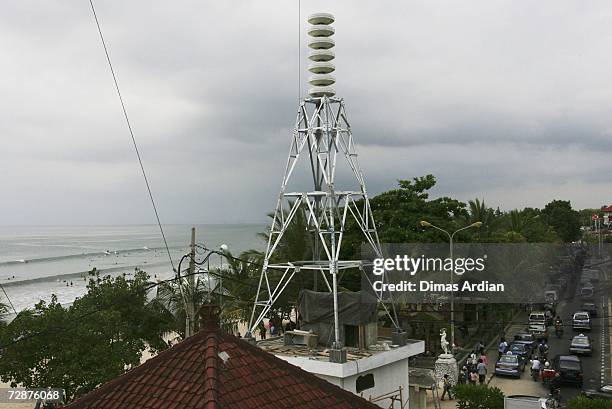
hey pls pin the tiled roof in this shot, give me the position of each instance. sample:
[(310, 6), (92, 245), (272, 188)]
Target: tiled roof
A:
[(607, 209), (192, 374)]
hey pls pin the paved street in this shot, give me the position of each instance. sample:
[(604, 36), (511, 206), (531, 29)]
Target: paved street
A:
[(597, 368)]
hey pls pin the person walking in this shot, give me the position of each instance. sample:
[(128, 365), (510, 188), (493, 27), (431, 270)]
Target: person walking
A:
[(503, 345), (473, 377), (447, 388), (484, 358), (481, 368), (464, 375)]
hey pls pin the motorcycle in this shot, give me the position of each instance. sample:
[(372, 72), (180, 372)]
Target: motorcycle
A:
[(554, 399), (535, 373)]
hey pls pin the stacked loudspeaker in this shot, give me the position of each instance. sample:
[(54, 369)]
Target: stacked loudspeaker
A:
[(321, 55)]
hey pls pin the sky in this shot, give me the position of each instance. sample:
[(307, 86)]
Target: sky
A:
[(508, 101)]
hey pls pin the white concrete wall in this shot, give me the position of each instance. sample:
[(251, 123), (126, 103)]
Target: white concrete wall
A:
[(387, 378)]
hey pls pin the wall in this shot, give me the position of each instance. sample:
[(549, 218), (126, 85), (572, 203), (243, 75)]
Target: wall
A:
[(387, 378)]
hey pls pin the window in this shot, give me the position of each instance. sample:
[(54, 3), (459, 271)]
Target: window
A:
[(351, 336), (364, 382)]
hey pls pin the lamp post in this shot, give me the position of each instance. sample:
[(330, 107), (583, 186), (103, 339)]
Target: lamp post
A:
[(451, 236)]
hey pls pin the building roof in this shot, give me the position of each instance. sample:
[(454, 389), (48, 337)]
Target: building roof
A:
[(606, 209), (212, 369)]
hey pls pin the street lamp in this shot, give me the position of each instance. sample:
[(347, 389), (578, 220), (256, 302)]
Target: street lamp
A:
[(451, 236)]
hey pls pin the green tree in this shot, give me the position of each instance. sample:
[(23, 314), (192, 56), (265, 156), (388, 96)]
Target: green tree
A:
[(563, 219), (398, 212), (479, 212), (478, 397), (77, 348), (582, 402)]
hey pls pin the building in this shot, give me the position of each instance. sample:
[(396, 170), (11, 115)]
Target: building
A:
[(215, 370), (607, 215), (376, 367), (378, 373)]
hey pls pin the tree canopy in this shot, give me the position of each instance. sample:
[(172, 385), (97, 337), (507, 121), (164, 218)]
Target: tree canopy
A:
[(94, 340)]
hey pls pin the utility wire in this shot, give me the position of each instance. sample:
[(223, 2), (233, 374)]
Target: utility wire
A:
[(127, 121), (299, 53), (9, 299)]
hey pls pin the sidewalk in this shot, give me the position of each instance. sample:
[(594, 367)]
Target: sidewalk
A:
[(509, 386)]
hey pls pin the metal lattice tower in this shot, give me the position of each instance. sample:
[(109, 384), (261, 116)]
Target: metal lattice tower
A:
[(322, 136)]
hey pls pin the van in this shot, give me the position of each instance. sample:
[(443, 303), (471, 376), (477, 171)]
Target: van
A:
[(581, 321), (586, 292), (537, 318), (551, 296)]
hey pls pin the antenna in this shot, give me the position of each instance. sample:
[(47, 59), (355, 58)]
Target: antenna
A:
[(322, 136)]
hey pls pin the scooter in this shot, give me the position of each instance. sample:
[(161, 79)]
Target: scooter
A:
[(554, 399), (535, 374)]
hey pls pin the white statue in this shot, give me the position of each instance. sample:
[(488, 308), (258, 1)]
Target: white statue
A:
[(443, 342)]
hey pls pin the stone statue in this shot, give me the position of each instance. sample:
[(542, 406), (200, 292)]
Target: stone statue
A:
[(446, 364), (443, 342)]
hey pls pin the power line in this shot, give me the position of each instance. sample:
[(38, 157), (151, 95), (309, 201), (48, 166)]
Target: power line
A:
[(299, 49), (127, 121), (9, 299)]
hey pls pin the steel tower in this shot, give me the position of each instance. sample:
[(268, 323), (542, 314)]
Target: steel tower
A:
[(322, 136)]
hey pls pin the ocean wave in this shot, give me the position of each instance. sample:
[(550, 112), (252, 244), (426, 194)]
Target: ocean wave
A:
[(82, 255), (68, 276)]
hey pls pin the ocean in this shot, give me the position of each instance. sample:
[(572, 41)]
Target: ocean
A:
[(36, 262)]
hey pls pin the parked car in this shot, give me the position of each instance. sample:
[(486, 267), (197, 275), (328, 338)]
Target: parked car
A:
[(569, 367), (605, 392), (524, 402), (581, 321), (591, 308), (511, 365), (526, 338), (521, 350), (581, 345)]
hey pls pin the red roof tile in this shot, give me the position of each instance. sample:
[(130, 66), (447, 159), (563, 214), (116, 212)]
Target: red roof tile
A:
[(192, 375)]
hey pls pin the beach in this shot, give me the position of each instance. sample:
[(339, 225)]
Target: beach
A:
[(37, 261)]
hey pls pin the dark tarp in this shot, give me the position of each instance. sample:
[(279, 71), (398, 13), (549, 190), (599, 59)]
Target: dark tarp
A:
[(356, 308)]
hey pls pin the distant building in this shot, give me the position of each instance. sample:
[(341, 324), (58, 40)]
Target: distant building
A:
[(211, 370), (607, 215)]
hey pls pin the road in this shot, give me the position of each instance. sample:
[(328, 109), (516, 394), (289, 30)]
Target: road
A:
[(597, 368)]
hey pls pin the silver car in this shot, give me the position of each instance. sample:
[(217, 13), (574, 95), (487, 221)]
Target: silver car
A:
[(581, 320), (581, 345)]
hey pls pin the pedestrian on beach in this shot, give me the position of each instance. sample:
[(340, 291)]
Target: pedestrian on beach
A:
[(447, 388), (482, 371)]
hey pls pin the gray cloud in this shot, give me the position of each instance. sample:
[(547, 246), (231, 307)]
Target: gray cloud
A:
[(499, 99)]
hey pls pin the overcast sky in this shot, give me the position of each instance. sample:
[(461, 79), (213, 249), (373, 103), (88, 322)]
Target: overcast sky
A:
[(510, 101)]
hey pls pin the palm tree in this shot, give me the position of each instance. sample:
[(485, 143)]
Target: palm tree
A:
[(177, 297), (297, 242), (479, 212)]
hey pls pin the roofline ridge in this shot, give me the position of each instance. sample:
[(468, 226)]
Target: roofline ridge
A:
[(101, 389)]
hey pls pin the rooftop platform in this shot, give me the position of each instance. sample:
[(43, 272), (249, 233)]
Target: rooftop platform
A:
[(316, 360)]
